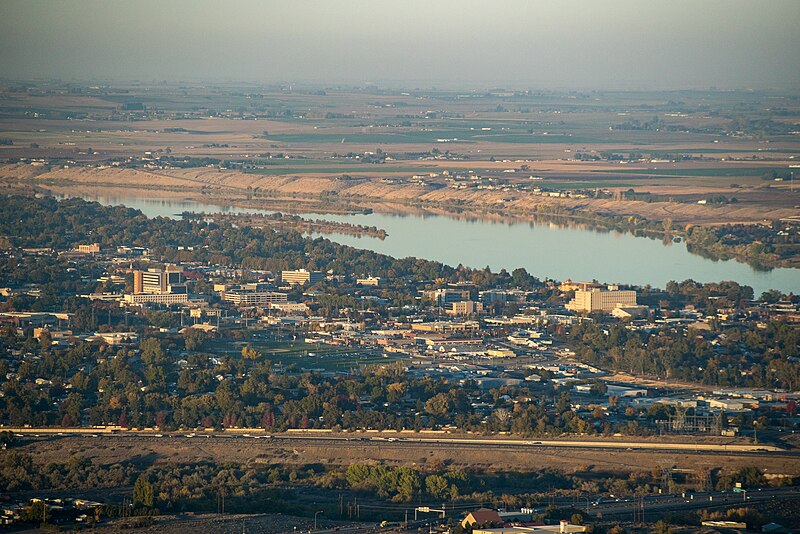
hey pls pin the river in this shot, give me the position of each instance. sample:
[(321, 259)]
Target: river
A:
[(545, 250)]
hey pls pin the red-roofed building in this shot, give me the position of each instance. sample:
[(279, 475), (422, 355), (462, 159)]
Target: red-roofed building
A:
[(483, 517)]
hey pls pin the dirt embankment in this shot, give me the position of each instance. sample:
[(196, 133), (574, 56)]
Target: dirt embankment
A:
[(233, 187)]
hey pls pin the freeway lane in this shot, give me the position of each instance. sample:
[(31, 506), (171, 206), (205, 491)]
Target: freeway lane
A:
[(406, 438), (670, 503)]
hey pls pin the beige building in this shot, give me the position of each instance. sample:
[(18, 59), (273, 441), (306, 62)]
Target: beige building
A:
[(569, 285), (369, 281), (629, 312), (251, 298), (500, 353), (157, 298), (289, 307), (302, 277), (601, 300), (170, 280), (466, 307), (89, 249), (117, 338), (563, 528)]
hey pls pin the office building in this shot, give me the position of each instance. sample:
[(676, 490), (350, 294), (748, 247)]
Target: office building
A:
[(94, 248), (569, 285), (302, 277), (157, 298), (601, 300), (502, 296), (289, 307), (155, 281), (465, 307), (445, 297), (251, 298)]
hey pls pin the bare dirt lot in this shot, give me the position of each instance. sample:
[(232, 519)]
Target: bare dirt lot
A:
[(147, 451)]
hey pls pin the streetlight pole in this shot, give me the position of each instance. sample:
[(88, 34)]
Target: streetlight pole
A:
[(315, 518)]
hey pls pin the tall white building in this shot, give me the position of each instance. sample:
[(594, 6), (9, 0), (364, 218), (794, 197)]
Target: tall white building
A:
[(596, 299)]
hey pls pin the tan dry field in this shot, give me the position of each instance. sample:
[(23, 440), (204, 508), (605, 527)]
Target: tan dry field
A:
[(147, 451)]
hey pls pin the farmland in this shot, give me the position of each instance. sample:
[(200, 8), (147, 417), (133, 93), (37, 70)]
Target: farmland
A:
[(661, 159)]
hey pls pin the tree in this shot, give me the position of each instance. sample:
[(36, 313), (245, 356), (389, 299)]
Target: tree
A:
[(599, 388), (143, 492), (249, 353), (438, 405), (161, 419), (123, 420), (564, 403), (408, 483), (152, 353), (437, 487), (521, 278), (193, 338)]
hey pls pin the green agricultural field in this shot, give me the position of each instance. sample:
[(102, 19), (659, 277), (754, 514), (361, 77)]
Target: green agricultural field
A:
[(719, 171)]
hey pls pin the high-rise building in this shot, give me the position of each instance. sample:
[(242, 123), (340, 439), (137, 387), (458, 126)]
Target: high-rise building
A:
[(601, 300), (156, 281)]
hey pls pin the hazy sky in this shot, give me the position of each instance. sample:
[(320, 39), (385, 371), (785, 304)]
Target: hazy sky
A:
[(524, 43)]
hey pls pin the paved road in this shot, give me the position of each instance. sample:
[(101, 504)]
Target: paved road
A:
[(405, 440), (688, 501)]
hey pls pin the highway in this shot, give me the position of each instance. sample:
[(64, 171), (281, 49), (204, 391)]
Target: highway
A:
[(621, 509), (627, 507), (408, 439)]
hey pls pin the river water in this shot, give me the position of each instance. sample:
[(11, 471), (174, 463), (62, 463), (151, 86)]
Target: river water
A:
[(545, 250)]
